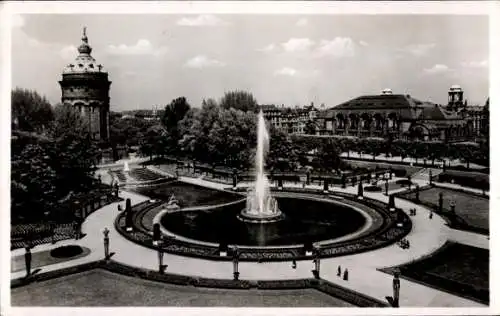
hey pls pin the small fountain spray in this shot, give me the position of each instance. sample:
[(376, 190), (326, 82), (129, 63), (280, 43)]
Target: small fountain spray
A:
[(261, 207)]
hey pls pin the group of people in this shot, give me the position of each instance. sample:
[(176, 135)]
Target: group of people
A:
[(413, 211), (404, 243)]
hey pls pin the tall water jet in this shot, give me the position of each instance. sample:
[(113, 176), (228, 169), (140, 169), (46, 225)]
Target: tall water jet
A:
[(261, 207)]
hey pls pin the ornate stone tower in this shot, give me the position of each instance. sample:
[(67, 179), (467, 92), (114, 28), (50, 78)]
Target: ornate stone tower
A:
[(455, 97), (85, 85)]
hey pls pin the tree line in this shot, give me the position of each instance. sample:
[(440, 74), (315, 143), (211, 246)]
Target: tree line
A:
[(224, 133), (52, 156)]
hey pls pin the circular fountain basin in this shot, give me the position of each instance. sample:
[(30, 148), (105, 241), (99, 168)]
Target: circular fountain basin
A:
[(300, 221)]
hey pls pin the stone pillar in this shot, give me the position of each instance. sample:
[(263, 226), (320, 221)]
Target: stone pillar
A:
[(325, 185), (235, 180), (392, 203), (396, 286), (161, 267), (236, 273), (27, 260), (156, 233), (360, 190), (128, 215)]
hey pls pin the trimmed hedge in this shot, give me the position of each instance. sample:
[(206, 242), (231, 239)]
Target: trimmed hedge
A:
[(468, 179), (373, 188)]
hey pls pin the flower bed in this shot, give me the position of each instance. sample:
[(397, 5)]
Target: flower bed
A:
[(223, 283), (66, 251), (283, 284)]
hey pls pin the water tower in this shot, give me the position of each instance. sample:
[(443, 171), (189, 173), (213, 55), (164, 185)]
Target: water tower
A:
[(85, 85)]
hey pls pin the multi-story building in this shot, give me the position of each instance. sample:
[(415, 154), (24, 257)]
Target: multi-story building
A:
[(291, 120), (85, 85), (402, 116)]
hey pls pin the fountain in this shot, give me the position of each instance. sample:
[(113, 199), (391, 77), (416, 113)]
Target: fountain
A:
[(261, 207)]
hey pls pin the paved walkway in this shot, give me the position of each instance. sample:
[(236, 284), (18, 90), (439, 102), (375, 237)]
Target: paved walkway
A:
[(425, 237), (409, 160)]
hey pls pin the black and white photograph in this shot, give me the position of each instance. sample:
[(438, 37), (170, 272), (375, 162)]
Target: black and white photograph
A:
[(230, 156)]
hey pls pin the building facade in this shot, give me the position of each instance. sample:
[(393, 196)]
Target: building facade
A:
[(290, 120), (400, 116), (85, 85)]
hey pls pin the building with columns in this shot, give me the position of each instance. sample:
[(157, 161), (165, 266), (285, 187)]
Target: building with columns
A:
[(85, 85), (400, 116)]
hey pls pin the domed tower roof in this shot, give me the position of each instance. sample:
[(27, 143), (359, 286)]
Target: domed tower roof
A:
[(84, 62)]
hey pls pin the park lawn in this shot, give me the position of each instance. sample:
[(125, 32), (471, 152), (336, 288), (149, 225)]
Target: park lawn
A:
[(456, 268), (474, 210), (104, 288), (41, 258)]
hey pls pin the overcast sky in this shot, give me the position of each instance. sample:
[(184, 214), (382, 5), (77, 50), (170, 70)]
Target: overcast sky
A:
[(289, 60)]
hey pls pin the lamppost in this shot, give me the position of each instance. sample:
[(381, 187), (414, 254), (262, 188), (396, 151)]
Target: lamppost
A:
[(317, 261), (386, 177), (236, 273), (396, 286), (106, 243)]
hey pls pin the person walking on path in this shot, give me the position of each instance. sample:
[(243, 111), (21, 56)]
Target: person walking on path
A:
[(294, 264), (339, 271), (346, 275)]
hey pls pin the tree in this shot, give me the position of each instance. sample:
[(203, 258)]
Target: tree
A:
[(240, 100), (46, 168), (75, 151), (310, 128), (33, 179), (282, 154), (173, 114), (329, 156), (30, 111)]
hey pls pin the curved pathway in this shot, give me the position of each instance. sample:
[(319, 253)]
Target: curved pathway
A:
[(425, 237)]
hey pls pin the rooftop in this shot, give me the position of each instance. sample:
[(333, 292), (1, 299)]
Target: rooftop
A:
[(382, 101)]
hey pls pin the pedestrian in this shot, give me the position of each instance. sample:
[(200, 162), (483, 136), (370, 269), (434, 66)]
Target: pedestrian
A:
[(430, 215), (339, 271), (346, 275), (294, 264)]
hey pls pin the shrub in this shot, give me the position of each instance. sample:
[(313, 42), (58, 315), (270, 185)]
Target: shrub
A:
[(373, 188), (404, 182)]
